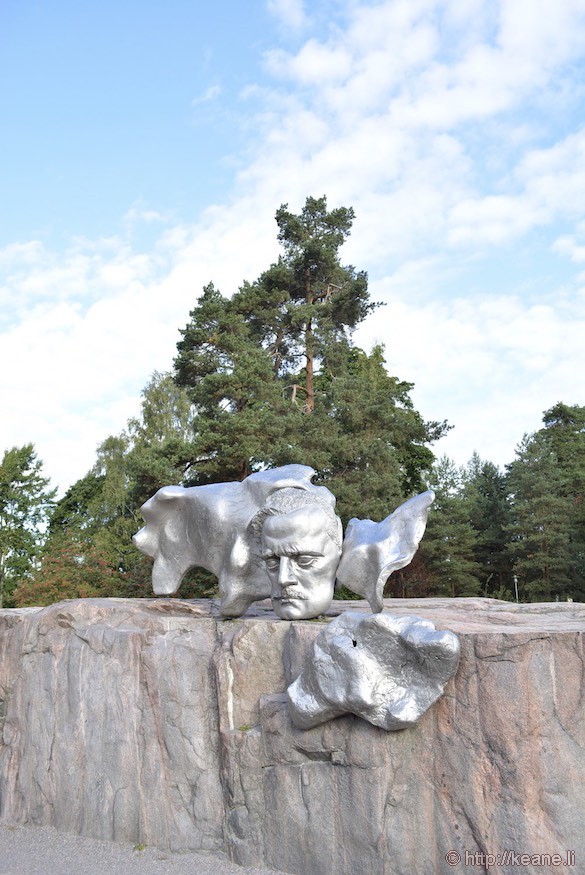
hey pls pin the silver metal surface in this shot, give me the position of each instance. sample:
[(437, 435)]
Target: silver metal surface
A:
[(219, 527), (372, 551), (275, 534), (301, 550), (386, 669)]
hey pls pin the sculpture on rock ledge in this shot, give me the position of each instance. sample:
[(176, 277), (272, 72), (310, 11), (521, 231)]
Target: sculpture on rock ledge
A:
[(386, 669), (275, 534)]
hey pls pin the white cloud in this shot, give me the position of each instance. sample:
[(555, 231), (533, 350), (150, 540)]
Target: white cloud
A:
[(493, 219), (547, 184), (210, 93), (572, 245), (290, 13), (489, 366), (20, 254), (428, 117), (88, 327), (315, 64)]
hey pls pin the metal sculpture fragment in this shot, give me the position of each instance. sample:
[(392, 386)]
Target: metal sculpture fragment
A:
[(383, 668), (275, 534), (372, 551), (219, 527)]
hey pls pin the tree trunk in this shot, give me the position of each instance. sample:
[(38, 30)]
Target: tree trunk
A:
[(310, 386)]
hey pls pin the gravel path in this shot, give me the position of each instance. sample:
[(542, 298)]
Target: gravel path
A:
[(40, 850)]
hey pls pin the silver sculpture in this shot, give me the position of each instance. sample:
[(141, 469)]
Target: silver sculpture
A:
[(372, 551), (386, 669), (218, 527), (275, 534)]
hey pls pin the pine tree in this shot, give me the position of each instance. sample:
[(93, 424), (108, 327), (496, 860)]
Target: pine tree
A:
[(274, 377), (540, 532), (230, 380), (485, 496), (564, 430), (25, 502), (265, 377), (324, 299), (448, 549)]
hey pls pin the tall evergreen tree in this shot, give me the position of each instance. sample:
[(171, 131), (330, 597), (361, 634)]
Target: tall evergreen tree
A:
[(485, 496), (274, 377), (448, 549), (25, 502), (324, 299), (547, 528), (230, 381), (539, 542), (564, 429)]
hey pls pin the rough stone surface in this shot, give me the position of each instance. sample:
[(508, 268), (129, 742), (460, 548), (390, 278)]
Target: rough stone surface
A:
[(153, 721)]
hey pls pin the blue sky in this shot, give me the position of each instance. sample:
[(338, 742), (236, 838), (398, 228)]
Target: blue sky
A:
[(101, 104), (146, 147)]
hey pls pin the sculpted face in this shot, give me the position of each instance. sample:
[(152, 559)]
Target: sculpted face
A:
[(301, 560)]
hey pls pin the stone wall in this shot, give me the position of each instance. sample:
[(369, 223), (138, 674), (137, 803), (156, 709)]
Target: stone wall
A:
[(154, 721)]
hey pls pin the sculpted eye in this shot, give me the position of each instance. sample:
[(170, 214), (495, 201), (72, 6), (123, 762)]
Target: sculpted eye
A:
[(305, 561), (272, 562)]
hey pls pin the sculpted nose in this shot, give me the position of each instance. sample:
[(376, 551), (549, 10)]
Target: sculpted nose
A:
[(286, 571)]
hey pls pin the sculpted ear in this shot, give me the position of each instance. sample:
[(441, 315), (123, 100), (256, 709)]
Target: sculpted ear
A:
[(166, 493), (156, 507), (155, 512), (372, 551)]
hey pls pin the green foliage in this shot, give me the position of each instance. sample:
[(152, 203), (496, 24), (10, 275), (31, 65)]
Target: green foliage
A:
[(448, 549), (25, 501), (269, 376), (70, 569), (524, 529), (547, 529), (485, 497), (324, 299), (275, 379), (98, 515), (74, 509), (230, 381), (372, 439), (160, 440)]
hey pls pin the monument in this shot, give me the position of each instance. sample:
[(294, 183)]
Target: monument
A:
[(182, 724), (276, 533)]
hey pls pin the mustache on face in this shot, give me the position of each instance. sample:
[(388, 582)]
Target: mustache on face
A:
[(288, 594)]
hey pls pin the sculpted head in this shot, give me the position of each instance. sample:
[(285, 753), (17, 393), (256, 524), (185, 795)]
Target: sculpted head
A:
[(300, 543)]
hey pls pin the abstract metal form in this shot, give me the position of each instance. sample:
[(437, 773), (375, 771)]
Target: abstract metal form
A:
[(372, 551), (275, 534), (386, 669)]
